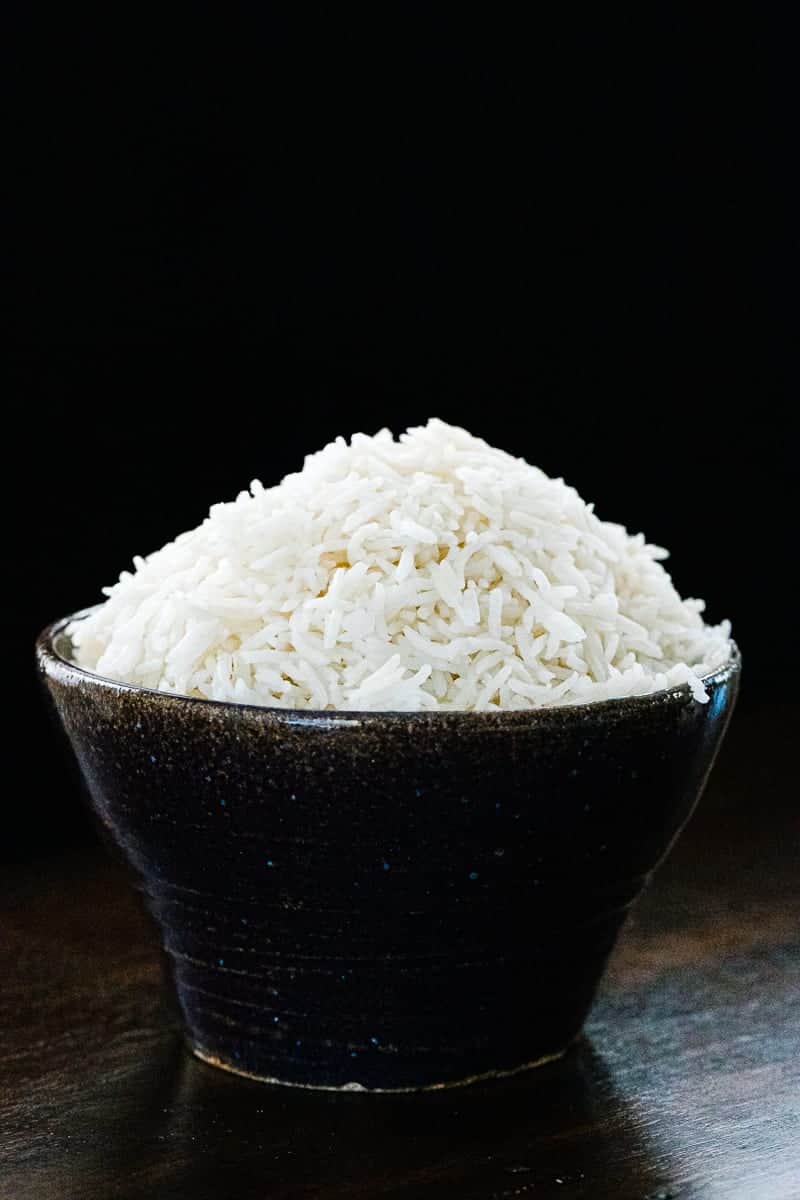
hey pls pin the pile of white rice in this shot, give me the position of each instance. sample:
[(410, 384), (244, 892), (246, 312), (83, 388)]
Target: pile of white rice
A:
[(431, 572)]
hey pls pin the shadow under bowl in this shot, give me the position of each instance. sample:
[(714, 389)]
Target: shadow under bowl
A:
[(386, 900)]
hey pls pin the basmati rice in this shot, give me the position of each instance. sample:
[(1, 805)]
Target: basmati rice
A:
[(433, 572)]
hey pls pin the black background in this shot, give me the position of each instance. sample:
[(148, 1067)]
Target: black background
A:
[(232, 244)]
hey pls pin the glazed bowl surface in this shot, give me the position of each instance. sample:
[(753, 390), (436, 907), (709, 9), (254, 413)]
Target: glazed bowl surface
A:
[(386, 900)]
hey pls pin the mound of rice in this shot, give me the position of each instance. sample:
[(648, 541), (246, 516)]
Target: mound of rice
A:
[(431, 572)]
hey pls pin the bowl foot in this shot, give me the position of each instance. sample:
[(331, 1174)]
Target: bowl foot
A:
[(214, 1061)]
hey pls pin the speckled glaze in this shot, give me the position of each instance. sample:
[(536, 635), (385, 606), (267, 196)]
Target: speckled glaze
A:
[(386, 901)]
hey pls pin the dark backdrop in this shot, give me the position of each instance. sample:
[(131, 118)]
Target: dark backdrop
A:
[(230, 246)]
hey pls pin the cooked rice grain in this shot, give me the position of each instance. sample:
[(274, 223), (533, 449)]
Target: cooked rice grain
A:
[(433, 572)]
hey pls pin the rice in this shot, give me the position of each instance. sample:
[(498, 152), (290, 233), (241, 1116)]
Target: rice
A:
[(432, 572)]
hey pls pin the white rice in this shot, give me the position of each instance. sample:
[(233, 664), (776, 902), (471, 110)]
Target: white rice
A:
[(434, 572)]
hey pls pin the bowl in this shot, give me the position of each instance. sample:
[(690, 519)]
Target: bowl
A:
[(386, 901)]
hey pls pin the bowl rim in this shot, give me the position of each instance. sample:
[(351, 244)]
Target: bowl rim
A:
[(48, 653)]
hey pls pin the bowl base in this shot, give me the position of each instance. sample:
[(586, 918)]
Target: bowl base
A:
[(214, 1061)]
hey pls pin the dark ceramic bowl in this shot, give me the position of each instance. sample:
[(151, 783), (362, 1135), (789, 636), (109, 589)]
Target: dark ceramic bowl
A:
[(386, 900)]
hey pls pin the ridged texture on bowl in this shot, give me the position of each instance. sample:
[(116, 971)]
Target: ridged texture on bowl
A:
[(393, 901)]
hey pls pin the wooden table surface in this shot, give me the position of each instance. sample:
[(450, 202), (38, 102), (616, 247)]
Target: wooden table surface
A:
[(687, 1083)]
